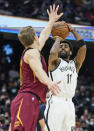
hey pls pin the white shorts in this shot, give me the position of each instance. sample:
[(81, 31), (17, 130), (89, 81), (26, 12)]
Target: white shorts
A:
[(59, 114)]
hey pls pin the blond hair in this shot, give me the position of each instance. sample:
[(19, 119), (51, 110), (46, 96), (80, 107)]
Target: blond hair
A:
[(26, 35)]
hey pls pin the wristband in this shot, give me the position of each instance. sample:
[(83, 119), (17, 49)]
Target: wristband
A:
[(80, 43)]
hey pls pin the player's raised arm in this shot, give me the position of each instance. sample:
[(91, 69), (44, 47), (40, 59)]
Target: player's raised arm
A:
[(81, 54), (32, 57), (53, 17), (53, 57)]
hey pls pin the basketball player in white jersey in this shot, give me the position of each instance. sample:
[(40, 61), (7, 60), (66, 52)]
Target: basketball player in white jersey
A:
[(60, 111)]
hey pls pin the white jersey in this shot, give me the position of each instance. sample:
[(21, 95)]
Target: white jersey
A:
[(66, 73)]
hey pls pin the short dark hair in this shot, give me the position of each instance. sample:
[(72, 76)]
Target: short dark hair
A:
[(69, 43)]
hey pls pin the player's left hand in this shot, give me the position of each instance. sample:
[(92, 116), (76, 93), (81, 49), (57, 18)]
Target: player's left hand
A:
[(54, 88), (52, 13)]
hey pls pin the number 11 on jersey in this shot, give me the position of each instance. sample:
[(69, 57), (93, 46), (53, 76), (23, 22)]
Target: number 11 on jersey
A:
[(69, 76)]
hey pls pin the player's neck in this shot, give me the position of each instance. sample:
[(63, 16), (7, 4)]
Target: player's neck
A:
[(34, 46), (66, 59)]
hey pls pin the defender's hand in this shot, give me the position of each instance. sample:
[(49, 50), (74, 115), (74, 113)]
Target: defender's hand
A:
[(52, 13), (54, 88)]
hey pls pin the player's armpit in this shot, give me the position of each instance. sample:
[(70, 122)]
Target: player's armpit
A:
[(53, 57), (53, 61), (80, 57)]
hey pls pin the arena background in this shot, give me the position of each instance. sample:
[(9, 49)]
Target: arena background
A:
[(80, 14)]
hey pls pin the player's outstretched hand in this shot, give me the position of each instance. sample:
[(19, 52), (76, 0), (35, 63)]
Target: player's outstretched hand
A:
[(54, 88), (52, 13)]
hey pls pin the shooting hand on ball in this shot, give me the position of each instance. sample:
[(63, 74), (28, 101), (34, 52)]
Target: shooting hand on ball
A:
[(70, 28), (52, 13), (58, 37)]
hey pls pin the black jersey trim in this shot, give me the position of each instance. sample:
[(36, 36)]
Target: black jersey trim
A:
[(26, 50), (51, 75), (46, 117), (38, 98)]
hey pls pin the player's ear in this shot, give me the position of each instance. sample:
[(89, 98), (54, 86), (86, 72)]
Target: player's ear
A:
[(35, 37), (70, 52)]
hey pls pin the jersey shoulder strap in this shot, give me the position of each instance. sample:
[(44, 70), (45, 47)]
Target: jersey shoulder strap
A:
[(26, 50)]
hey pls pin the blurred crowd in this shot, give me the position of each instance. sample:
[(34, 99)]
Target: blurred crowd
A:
[(75, 11), (84, 109), (9, 85)]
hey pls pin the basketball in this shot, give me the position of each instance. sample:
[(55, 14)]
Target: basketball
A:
[(60, 29)]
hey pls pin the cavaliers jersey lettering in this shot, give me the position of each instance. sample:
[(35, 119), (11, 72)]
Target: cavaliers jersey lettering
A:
[(29, 82), (66, 73)]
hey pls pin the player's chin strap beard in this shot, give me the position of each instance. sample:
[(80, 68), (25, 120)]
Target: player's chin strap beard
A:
[(66, 56)]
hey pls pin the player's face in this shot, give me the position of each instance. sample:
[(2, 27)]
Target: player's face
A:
[(64, 51)]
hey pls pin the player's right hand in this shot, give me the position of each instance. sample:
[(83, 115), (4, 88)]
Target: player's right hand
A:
[(52, 13), (54, 88), (58, 37)]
